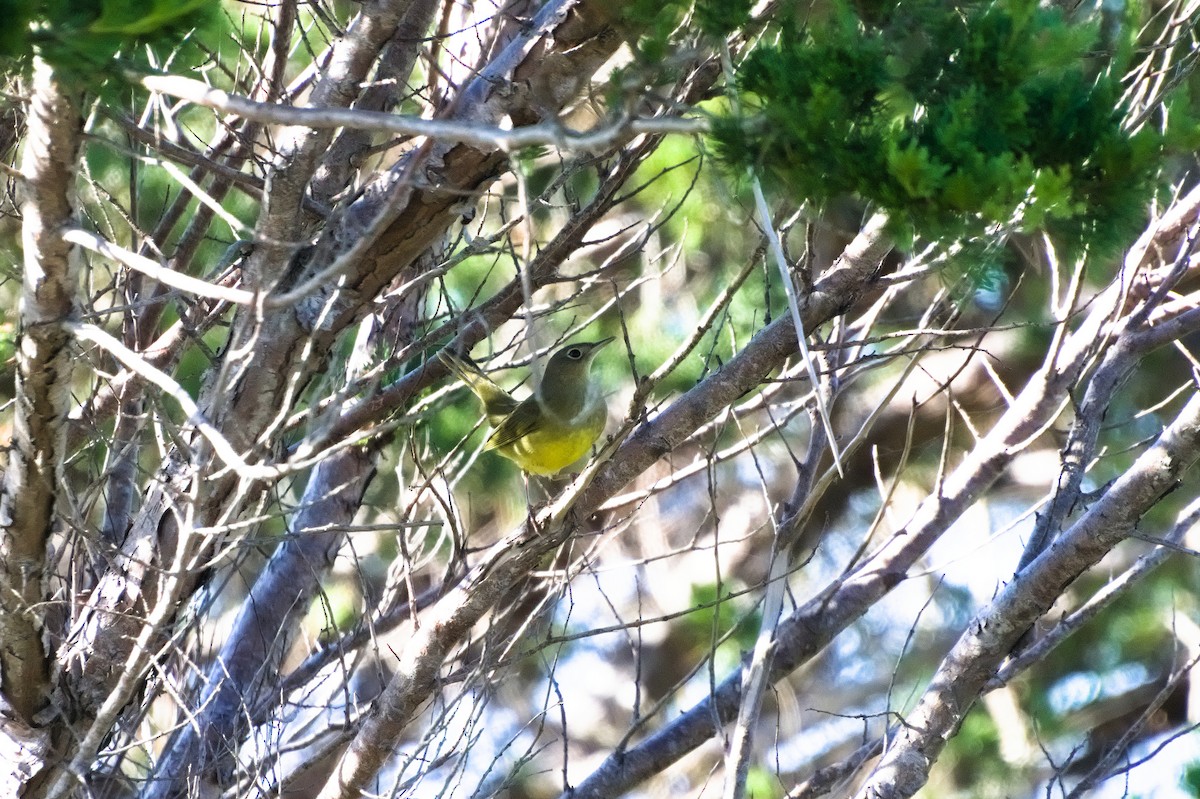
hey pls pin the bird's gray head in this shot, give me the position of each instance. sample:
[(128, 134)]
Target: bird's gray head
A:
[(565, 381)]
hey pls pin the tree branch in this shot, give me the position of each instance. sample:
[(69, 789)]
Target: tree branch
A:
[(815, 623), (991, 635), (43, 382), (247, 665), (598, 139)]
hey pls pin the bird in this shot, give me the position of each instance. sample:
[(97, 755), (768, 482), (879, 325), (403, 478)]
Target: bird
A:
[(553, 427)]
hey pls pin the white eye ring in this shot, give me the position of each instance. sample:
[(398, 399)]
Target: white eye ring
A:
[(575, 353)]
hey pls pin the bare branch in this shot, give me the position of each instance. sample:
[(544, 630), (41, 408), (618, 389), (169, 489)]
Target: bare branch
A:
[(44, 371), (992, 634), (162, 274), (245, 668), (478, 135), (811, 627)]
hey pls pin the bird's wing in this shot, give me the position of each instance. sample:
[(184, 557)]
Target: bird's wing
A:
[(521, 422)]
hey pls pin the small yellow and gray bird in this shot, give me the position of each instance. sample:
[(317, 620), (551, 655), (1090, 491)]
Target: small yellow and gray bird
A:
[(553, 427)]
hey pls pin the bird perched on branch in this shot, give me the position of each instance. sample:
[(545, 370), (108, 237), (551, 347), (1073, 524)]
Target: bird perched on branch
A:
[(553, 427)]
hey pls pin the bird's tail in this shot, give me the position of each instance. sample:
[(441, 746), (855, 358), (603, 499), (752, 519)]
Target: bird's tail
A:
[(497, 403)]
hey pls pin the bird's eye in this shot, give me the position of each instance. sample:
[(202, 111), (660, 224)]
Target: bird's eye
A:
[(575, 353)]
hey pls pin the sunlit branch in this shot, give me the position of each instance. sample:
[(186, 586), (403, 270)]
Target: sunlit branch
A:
[(552, 134)]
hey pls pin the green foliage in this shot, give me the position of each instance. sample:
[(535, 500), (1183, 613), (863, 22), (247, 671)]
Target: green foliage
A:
[(957, 120), (974, 754), (722, 17), (707, 218), (133, 18), (656, 22), (1190, 779), (762, 784), (716, 614), (83, 36), (8, 344), (13, 33)]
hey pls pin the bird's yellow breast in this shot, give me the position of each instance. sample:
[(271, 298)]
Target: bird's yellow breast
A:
[(554, 446)]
